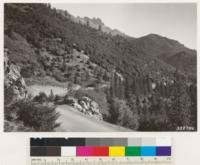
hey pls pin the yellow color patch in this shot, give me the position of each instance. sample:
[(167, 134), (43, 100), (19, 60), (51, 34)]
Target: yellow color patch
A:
[(116, 151)]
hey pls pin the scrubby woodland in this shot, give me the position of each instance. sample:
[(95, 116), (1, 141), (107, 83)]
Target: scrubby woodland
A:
[(145, 84)]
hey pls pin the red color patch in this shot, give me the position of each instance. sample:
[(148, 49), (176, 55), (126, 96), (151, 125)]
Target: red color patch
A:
[(100, 151)]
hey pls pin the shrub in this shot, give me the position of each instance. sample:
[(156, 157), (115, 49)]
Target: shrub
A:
[(40, 117), (59, 77), (121, 114), (27, 72), (58, 99), (16, 126), (68, 101), (41, 98), (8, 95), (90, 67)]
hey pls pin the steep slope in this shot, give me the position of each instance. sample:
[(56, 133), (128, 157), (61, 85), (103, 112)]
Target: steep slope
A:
[(105, 50), (167, 50), (185, 61), (155, 45), (127, 55)]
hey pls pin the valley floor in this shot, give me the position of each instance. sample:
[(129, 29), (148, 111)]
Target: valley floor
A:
[(73, 121)]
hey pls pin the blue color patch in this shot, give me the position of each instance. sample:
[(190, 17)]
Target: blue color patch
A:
[(148, 151)]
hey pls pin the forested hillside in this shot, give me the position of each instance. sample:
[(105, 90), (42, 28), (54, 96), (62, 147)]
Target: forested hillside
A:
[(146, 84)]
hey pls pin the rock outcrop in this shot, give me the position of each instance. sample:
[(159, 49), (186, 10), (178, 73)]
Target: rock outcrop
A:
[(88, 107), (95, 23), (13, 78)]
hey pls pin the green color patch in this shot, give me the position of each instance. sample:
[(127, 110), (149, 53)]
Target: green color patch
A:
[(132, 151)]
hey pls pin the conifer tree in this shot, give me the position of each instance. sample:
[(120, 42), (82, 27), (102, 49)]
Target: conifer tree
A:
[(180, 113), (51, 96), (100, 28)]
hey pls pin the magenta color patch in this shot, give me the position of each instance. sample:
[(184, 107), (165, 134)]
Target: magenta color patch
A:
[(84, 151)]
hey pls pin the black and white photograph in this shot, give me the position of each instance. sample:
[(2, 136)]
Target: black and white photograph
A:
[(100, 67)]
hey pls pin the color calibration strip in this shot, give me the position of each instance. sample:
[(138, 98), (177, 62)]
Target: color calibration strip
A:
[(129, 148)]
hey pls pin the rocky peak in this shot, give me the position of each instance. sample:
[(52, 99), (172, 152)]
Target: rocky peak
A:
[(95, 23)]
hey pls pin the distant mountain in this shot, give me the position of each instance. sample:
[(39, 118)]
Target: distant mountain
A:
[(170, 51), (183, 60)]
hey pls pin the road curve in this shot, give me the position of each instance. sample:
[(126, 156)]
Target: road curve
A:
[(74, 121)]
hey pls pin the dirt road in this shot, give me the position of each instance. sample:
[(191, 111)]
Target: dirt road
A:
[(74, 121)]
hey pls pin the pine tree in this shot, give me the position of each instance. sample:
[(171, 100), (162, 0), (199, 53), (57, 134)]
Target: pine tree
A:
[(193, 107), (115, 84), (106, 76), (64, 65), (180, 113), (145, 86), (132, 103), (140, 86), (88, 23), (149, 84), (127, 90), (138, 106), (100, 28), (121, 114), (113, 110), (121, 88), (51, 96)]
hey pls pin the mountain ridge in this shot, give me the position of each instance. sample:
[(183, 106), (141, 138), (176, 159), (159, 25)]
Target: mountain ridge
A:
[(95, 23)]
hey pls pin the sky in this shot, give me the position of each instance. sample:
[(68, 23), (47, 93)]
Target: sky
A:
[(173, 20)]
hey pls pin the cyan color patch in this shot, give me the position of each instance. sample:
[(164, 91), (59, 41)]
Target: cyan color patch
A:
[(148, 151)]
